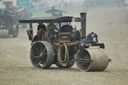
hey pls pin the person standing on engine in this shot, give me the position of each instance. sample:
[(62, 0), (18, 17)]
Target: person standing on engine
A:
[(41, 31)]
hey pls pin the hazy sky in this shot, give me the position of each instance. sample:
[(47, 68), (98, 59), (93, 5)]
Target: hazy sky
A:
[(126, 2), (73, 0), (68, 1), (56, 2)]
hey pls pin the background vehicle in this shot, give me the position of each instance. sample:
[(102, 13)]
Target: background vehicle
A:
[(67, 46), (55, 12), (9, 19)]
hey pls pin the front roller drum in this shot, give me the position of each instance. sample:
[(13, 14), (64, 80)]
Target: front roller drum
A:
[(92, 59), (42, 54)]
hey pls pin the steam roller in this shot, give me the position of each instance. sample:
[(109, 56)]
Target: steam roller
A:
[(66, 46)]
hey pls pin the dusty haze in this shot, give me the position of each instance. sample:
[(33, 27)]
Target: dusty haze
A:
[(111, 25)]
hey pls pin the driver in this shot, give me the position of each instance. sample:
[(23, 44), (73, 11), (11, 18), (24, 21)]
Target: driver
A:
[(41, 31)]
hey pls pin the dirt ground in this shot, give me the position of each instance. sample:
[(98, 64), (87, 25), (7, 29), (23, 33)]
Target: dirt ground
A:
[(110, 24)]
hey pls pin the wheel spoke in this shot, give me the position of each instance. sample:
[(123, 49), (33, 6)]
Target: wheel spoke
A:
[(44, 54), (36, 60), (38, 50), (35, 57)]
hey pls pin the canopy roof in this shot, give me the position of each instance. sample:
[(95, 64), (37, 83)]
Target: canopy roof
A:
[(49, 19)]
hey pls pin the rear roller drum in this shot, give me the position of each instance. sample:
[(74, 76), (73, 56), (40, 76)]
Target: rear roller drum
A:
[(42, 54)]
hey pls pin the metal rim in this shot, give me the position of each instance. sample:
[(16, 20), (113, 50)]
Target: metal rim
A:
[(42, 54)]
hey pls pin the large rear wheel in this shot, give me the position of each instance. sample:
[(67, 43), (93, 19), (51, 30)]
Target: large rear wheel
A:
[(42, 54)]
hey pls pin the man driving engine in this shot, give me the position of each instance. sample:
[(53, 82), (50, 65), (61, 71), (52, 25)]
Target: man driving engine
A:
[(41, 31)]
